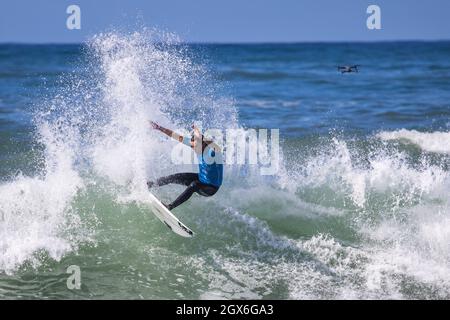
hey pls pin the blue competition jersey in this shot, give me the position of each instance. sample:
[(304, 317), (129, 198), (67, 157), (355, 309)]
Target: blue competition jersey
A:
[(210, 168), (210, 165)]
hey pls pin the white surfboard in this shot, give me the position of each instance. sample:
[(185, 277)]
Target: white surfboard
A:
[(168, 218)]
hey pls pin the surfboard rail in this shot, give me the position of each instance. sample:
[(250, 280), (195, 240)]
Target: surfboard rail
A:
[(168, 218)]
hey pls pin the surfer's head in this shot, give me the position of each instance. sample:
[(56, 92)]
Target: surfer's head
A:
[(198, 139)]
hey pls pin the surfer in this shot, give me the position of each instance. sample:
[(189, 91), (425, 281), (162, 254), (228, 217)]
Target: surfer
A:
[(210, 167)]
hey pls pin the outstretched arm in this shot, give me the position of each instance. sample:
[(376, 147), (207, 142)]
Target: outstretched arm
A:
[(166, 131)]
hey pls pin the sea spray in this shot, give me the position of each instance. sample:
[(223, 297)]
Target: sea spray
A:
[(438, 142), (399, 209), (37, 213)]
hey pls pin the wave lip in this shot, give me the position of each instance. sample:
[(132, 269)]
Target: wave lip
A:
[(438, 142)]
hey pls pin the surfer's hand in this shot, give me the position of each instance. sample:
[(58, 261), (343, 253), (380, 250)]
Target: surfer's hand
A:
[(196, 130), (154, 124)]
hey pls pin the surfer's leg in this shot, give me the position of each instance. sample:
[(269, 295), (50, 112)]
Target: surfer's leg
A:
[(193, 187), (206, 190), (178, 178)]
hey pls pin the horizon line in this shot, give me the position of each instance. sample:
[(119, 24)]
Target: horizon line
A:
[(247, 42)]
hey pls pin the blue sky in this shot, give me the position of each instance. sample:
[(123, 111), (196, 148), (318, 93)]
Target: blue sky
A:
[(44, 21)]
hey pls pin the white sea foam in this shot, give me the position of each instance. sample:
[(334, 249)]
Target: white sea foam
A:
[(36, 212), (438, 142), (381, 173), (403, 215)]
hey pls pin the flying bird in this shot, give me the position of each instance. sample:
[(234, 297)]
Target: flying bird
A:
[(348, 69)]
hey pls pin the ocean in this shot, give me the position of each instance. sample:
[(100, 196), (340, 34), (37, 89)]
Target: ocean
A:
[(359, 207)]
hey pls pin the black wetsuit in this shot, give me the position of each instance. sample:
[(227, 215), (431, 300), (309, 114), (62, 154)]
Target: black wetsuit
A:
[(206, 182), (189, 179)]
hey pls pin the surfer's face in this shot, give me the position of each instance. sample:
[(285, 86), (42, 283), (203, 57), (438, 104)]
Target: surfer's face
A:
[(199, 142)]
